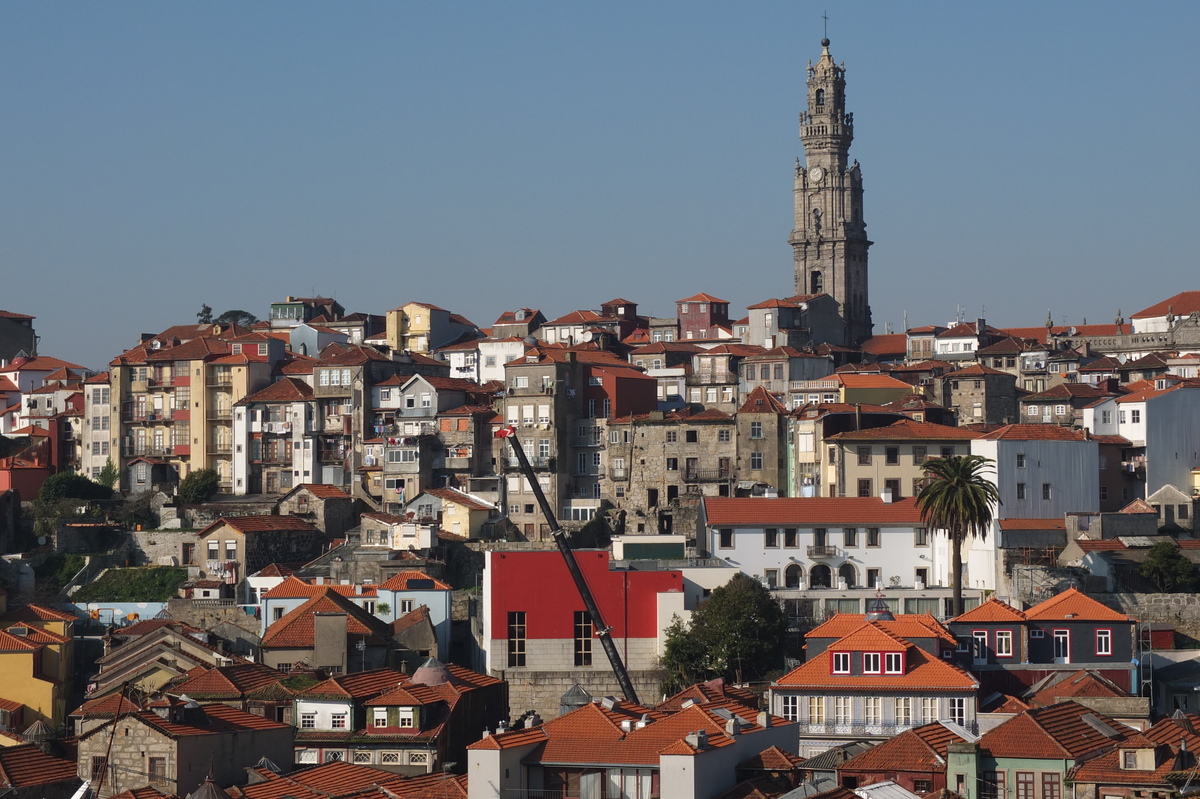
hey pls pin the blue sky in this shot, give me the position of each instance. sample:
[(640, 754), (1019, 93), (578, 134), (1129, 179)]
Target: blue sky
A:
[(1017, 156)]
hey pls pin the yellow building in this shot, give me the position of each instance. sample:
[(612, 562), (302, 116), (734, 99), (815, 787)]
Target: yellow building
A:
[(31, 668), (172, 399)]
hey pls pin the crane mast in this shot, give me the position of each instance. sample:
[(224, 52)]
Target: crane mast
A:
[(561, 539)]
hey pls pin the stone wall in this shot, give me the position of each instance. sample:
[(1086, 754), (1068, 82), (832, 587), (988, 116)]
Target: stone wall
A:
[(1179, 610), (542, 690), (160, 547), (207, 616)]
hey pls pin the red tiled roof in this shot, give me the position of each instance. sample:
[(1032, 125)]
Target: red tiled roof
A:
[(1101, 545), (35, 613), (710, 691), (1032, 524), (976, 370), (886, 344), (295, 629), (907, 429), (761, 401), (399, 582), (909, 626), (1081, 683), (261, 524), (229, 682), (294, 587), (921, 749), (834, 511), (1036, 432), (322, 490), (359, 685), (787, 302), (1182, 304), (1058, 732), (27, 765), (220, 719), (702, 297), (459, 498), (923, 670), (864, 381), (289, 389), (1073, 604), (1138, 506), (993, 611)]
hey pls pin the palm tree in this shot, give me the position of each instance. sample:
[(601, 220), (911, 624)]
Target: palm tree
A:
[(958, 499)]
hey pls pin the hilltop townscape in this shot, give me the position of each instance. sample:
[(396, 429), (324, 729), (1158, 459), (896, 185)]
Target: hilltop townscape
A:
[(308, 556)]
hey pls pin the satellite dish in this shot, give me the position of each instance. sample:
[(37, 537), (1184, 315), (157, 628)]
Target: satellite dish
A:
[(1073, 331), (42, 540), (1122, 358), (803, 306)]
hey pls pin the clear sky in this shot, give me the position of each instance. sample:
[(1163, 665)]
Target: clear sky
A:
[(1017, 156)]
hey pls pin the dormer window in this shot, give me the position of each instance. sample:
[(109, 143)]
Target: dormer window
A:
[(871, 663), (893, 663), (841, 662), (1129, 759)]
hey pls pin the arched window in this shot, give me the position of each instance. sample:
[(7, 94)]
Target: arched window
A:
[(848, 573), (793, 576), (820, 577), (817, 282), (820, 97)]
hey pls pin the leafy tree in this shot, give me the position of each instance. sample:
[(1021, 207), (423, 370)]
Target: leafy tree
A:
[(205, 315), (199, 486), (1168, 568), (67, 485), (737, 633), (958, 498), (236, 317), (108, 475)]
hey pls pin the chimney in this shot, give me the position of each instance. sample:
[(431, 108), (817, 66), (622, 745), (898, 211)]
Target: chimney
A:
[(358, 590), (886, 496), (980, 326), (764, 719), (733, 726), (533, 720)]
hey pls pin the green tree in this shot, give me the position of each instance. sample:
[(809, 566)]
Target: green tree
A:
[(67, 485), (205, 315), (236, 317), (199, 486), (108, 475), (737, 633), (958, 498), (1168, 568)]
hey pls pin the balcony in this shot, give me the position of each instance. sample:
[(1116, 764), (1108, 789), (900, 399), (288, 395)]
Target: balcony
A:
[(335, 455), (458, 463), (618, 474), (707, 475), (219, 380), (819, 551), (220, 414), (538, 462), (860, 727), (136, 415), (129, 450), (219, 447)]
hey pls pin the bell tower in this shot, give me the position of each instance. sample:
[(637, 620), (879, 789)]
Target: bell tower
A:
[(829, 240)]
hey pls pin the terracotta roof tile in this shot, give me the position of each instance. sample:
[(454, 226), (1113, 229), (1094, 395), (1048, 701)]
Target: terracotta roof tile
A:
[(923, 671), (835, 511), (260, 524), (400, 582), (1073, 604), (1058, 732), (289, 389), (1036, 432), (229, 682), (295, 629), (907, 429), (991, 612), (1181, 304), (921, 749), (26, 766)]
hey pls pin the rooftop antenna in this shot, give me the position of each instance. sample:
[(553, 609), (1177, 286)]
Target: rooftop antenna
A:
[(905, 320)]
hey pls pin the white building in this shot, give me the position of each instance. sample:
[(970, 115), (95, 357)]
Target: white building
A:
[(1163, 428), (821, 542), (1041, 471)]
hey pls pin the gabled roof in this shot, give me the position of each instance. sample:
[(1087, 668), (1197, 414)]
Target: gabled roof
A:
[(1059, 732), (34, 613), (261, 524), (294, 587), (295, 629), (976, 370), (1069, 391), (923, 671), (400, 582), (1073, 604), (702, 297), (786, 302), (886, 344), (1181, 304), (907, 429), (359, 685), (229, 682), (761, 401), (460, 498), (575, 318), (991, 612), (710, 691), (909, 626), (289, 389), (218, 720), (1059, 686), (798, 512), (921, 749)]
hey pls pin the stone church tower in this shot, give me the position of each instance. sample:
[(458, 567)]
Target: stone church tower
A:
[(829, 241)]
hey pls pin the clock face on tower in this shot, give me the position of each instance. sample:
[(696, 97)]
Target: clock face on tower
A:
[(816, 174)]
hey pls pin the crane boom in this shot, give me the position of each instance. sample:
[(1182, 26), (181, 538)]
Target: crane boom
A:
[(603, 632)]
